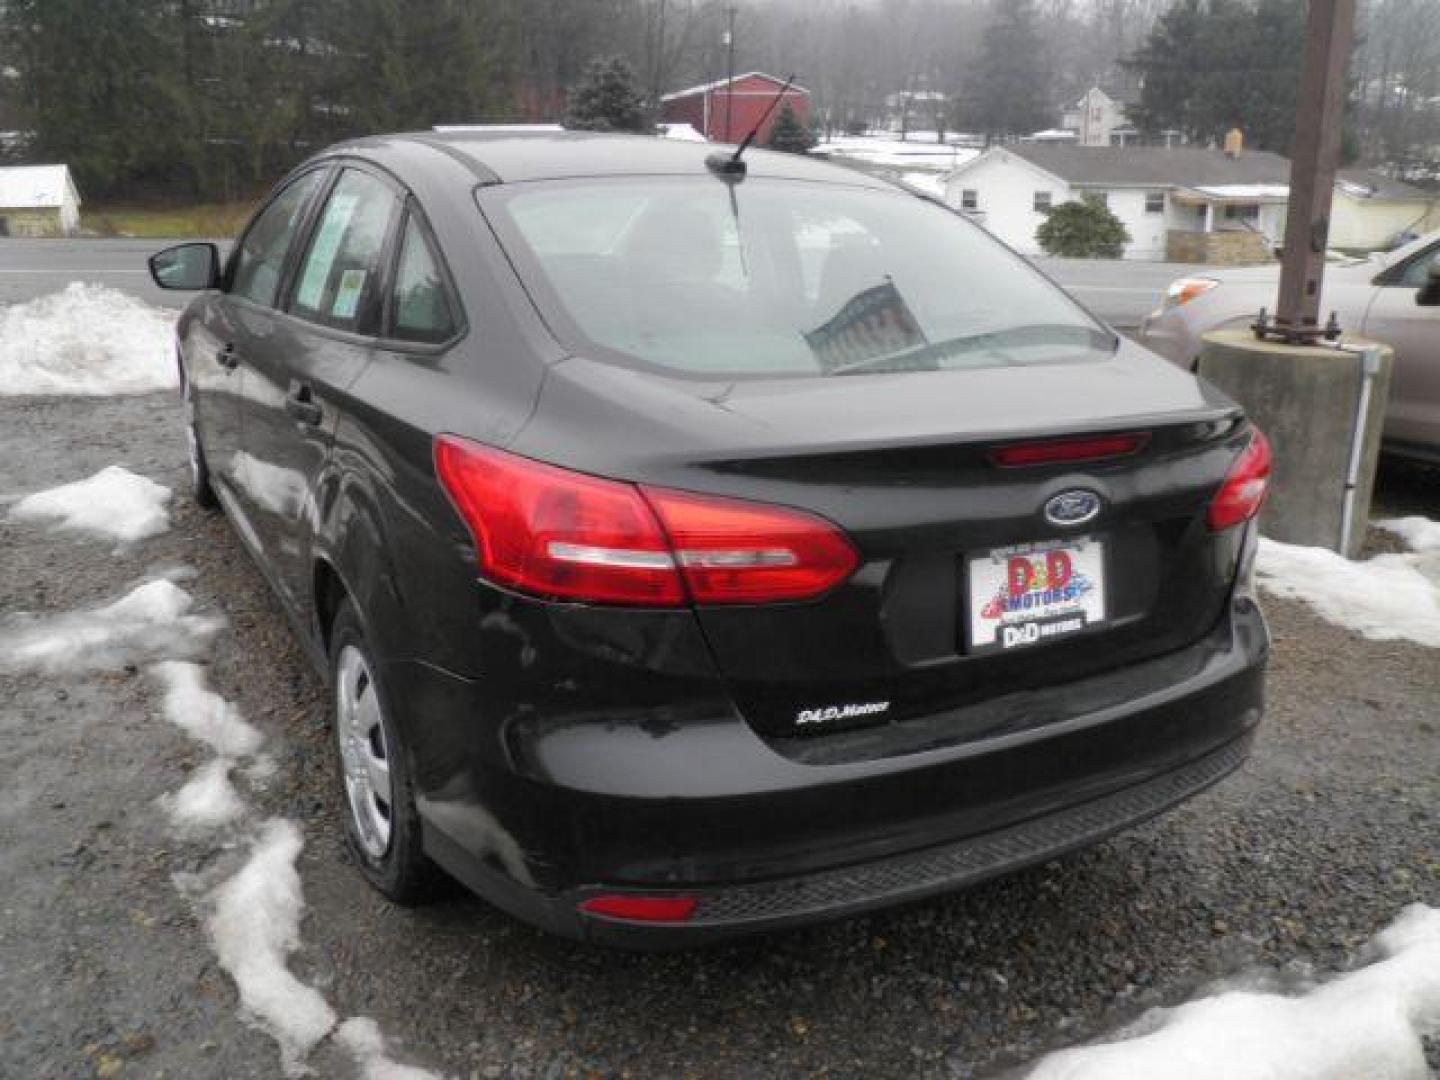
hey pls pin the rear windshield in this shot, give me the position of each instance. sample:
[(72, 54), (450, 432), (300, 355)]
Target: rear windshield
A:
[(780, 278)]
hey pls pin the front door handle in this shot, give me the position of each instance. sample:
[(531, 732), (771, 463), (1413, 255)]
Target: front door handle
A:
[(227, 357), (301, 404)]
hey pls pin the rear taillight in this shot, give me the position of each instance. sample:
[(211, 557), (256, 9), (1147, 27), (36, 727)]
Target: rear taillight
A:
[(1068, 450), (555, 533), (651, 909), (1246, 484)]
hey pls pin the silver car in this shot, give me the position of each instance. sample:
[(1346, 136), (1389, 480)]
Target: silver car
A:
[(1392, 297)]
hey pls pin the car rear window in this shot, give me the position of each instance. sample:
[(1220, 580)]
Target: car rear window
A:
[(780, 278)]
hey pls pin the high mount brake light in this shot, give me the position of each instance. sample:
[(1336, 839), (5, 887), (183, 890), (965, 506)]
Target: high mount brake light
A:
[(1068, 451), (560, 534), (1246, 485)]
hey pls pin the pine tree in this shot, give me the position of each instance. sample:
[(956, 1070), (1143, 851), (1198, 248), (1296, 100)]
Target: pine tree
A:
[(606, 98), (1007, 91), (788, 134), (1083, 230)]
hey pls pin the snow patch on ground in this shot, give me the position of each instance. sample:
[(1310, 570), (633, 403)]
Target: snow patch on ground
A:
[(1421, 534), (203, 714), (1366, 1024), (255, 926), (1386, 598), (86, 339), (152, 620), (929, 182), (361, 1037), (114, 502), (207, 801)]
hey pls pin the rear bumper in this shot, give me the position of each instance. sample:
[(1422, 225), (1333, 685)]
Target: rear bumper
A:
[(705, 808)]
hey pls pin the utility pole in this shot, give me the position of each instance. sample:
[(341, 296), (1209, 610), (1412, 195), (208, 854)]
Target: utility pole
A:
[(1324, 85), (730, 72)]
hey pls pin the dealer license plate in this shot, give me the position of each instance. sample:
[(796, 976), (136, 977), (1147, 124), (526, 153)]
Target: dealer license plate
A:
[(1029, 594)]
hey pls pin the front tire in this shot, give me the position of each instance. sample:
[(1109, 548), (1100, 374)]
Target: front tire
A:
[(200, 489), (382, 826)]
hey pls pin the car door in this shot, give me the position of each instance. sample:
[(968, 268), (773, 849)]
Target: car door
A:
[(1413, 330), (298, 376), (241, 315)]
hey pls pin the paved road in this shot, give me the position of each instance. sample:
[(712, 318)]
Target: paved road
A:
[(1320, 840), (1120, 292)]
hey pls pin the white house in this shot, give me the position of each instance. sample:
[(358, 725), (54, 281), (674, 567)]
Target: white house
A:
[(1187, 204), (38, 200), (1097, 119)]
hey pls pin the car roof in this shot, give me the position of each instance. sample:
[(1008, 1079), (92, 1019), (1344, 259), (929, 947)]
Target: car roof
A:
[(519, 156)]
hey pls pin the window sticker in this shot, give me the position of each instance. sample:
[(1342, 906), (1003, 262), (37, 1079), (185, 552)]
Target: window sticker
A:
[(322, 251), (347, 295)]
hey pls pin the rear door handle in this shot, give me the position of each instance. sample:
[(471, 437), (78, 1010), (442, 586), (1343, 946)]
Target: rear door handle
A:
[(227, 357), (301, 404)]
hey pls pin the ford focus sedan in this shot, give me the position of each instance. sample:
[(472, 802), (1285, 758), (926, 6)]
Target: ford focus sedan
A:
[(695, 548)]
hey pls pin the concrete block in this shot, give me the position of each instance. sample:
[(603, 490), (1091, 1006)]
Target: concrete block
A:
[(1305, 399)]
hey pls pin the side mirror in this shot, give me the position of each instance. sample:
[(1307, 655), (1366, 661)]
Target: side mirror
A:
[(186, 266), (1429, 293)]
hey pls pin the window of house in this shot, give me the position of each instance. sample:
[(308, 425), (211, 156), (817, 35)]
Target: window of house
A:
[(1241, 212), (421, 309), (1042, 201), (969, 199), (1154, 202)]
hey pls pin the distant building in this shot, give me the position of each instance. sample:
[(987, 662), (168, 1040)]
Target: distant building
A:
[(38, 200), (725, 112), (1184, 204), (915, 110), (1098, 119)]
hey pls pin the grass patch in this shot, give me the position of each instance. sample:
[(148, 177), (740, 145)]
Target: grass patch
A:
[(202, 221)]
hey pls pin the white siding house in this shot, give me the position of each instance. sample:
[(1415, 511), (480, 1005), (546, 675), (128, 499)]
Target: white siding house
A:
[(1163, 194), (38, 200)]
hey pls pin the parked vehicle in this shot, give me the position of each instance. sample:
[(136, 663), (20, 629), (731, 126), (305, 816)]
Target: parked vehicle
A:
[(1393, 298), (693, 551)]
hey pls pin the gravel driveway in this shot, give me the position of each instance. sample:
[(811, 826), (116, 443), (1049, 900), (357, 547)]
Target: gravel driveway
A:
[(104, 968)]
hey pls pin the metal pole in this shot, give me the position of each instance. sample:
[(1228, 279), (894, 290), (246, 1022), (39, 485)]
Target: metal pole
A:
[(730, 73), (1314, 158)]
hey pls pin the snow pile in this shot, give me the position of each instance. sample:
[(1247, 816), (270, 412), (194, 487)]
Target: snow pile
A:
[(114, 502), (1385, 598), (152, 620), (207, 801), (1367, 1024), (203, 714), (928, 182), (1420, 533), (361, 1037), (86, 339), (255, 926)]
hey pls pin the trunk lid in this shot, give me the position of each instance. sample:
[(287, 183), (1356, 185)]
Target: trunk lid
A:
[(903, 464)]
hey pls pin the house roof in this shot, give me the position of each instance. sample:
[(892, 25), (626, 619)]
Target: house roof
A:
[(1153, 166), (35, 187), (706, 87), (1254, 172)]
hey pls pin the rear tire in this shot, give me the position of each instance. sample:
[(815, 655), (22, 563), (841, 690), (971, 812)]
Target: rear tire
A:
[(382, 826), (200, 489)]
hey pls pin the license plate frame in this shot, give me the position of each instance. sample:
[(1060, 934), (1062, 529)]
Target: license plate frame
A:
[(998, 619)]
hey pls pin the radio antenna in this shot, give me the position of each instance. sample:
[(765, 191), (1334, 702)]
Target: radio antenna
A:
[(731, 165)]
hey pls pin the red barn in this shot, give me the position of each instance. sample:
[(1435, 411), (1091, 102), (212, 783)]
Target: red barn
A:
[(745, 100)]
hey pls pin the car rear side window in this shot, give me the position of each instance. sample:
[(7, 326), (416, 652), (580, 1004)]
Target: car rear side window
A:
[(339, 281), (260, 258), (421, 309)]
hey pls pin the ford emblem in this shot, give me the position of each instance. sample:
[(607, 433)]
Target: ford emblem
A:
[(1074, 507)]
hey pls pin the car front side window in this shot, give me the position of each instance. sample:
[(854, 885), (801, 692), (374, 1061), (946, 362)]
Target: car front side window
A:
[(260, 258), (338, 283)]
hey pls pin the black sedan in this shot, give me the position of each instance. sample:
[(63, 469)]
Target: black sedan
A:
[(696, 547)]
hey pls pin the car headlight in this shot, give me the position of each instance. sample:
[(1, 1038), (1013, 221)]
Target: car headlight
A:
[(1182, 290)]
